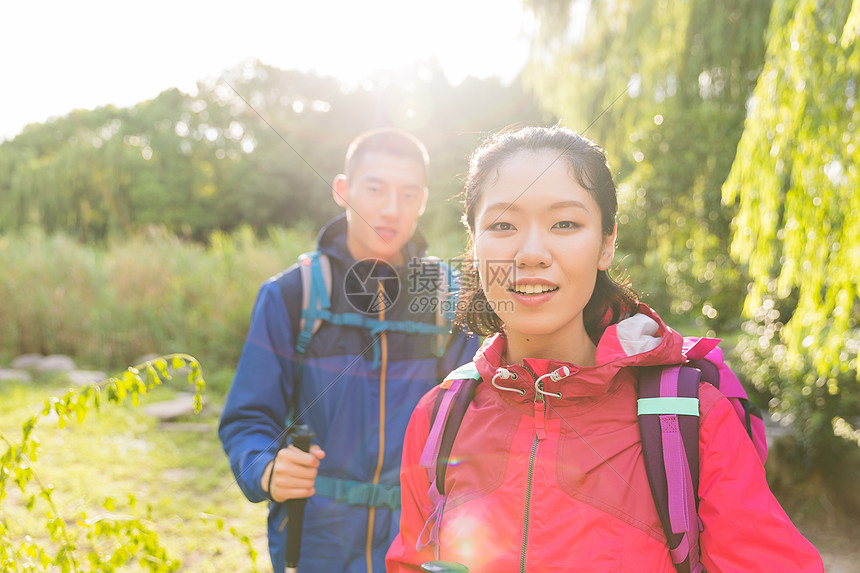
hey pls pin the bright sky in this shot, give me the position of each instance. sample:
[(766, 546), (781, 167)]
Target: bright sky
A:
[(58, 56)]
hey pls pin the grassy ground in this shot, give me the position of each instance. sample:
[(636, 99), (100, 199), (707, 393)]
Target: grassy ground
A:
[(183, 484), (181, 479), (180, 474)]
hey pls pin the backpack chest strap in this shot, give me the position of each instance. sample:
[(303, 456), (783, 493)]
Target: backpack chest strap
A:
[(358, 493), (374, 325), (668, 406)]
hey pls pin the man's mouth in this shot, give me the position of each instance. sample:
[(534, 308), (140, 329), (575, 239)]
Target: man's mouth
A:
[(386, 232)]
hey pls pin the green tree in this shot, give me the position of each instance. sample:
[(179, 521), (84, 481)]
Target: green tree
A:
[(795, 183), (662, 85), (259, 146)]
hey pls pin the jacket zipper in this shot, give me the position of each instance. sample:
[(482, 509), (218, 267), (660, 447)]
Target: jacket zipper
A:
[(540, 433), (528, 503), (371, 516)]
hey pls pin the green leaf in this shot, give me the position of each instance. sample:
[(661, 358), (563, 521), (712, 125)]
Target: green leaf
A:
[(852, 26)]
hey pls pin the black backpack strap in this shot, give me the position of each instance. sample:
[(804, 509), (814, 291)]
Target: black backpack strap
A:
[(668, 409), (459, 405), (449, 409)]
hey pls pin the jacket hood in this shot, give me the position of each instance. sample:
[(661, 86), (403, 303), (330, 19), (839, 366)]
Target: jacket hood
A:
[(642, 339), (332, 241)]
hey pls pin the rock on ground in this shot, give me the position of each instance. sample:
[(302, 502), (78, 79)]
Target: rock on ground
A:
[(15, 374), (84, 377), (166, 410), (27, 361), (55, 363)]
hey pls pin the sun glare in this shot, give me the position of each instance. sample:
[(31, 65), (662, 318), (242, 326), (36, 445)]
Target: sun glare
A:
[(480, 37), (341, 38)]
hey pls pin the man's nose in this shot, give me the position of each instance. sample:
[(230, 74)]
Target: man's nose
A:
[(390, 205)]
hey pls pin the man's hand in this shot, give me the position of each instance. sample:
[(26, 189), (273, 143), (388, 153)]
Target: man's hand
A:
[(295, 472)]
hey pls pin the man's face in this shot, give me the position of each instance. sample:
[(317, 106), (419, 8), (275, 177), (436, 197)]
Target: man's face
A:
[(383, 198)]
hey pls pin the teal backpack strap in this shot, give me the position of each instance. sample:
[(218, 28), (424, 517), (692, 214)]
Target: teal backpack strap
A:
[(358, 493), (315, 270)]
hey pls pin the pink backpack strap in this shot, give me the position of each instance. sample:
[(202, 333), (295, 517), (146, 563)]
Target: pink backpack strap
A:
[(704, 354), (434, 440), (696, 348), (453, 400), (668, 409)]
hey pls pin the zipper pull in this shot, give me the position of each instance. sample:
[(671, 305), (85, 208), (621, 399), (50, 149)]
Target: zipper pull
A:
[(540, 419)]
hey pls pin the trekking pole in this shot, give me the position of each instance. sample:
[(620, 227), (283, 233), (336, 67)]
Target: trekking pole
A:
[(444, 567), (301, 435)]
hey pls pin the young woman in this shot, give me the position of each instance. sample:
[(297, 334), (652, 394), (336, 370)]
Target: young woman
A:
[(547, 472)]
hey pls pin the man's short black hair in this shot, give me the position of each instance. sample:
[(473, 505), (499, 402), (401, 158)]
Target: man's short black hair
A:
[(386, 140)]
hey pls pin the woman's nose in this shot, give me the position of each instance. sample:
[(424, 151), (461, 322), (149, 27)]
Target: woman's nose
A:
[(534, 250)]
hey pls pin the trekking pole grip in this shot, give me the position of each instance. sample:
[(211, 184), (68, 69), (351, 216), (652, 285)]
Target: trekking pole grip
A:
[(301, 438)]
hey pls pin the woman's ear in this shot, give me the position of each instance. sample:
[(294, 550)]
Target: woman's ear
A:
[(607, 251), (339, 190)]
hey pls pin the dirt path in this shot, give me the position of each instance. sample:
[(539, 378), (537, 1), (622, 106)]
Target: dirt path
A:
[(839, 545)]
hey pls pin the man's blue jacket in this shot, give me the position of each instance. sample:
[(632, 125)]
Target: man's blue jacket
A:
[(349, 391)]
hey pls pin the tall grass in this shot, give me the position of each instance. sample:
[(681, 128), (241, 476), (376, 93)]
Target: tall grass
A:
[(106, 306), (154, 293)]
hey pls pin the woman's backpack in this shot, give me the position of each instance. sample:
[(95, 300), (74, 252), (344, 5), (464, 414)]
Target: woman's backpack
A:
[(668, 409)]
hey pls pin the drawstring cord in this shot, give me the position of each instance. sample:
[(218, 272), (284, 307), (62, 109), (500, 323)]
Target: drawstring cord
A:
[(505, 374), (555, 376)]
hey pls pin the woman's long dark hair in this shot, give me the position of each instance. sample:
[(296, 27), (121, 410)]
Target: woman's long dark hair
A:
[(611, 300)]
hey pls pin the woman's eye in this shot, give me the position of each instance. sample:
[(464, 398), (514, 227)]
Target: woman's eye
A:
[(566, 225), (501, 226)]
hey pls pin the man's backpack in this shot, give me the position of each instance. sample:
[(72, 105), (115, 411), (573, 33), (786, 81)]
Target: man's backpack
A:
[(668, 409), (315, 271), (316, 281)]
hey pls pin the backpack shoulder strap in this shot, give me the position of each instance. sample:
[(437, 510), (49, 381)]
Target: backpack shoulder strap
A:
[(315, 275), (668, 410), (315, 269), (441, 300), (705, 355), (452, 401)]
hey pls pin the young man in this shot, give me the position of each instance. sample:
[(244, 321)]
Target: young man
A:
[(374, 355)]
